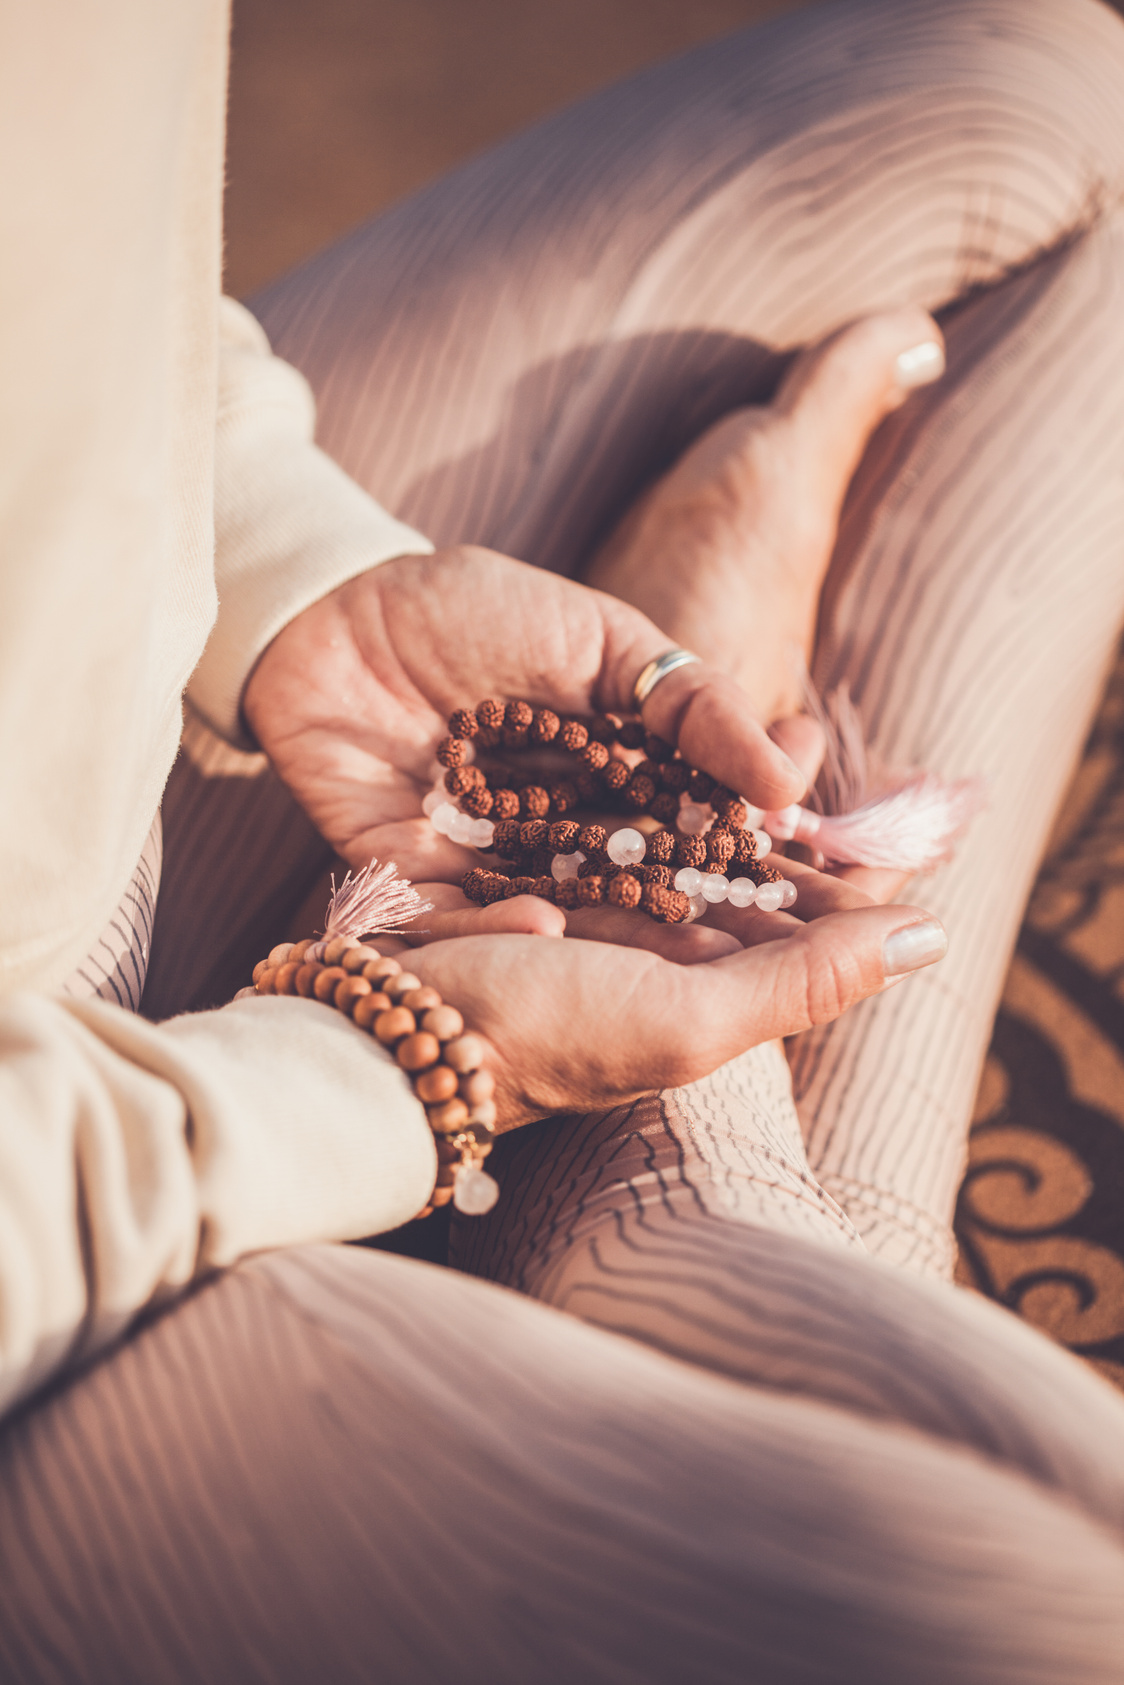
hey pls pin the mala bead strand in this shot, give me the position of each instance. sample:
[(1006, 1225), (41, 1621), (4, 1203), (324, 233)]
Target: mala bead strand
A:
[(702, 829), (444, 1062)]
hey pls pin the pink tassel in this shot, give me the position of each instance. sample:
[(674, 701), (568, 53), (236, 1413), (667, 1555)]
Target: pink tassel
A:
[(895, 820), (375, 901)]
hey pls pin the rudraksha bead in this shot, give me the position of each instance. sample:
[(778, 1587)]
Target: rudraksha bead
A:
[(517, 716), (597, 865), (604, 727), (720, 798), (563, 796), (658, 874), (506, 840), (452, 751), (573, 736), (566, 894), (664, 808), (563, 836), (589, 787), (761, 872), (745, 846), (699, 786), (534, 801), (595, 755), (545, 726), (459, 779), (473, 883), (674, 777), (591, 890), (631, 735), (520, 886), (624, 891), (656, 749), (490, 713), (592, 839), (505, 804), (661, 848), (478, 802), (544, 888), (719, 846), (533, 833), (638, 792), (615, 776), (690, 851), (463, 723)]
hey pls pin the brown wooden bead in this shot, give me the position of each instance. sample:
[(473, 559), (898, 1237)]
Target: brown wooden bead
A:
[(444, 1022), (285, 982), (447, 1118), (325, 985), (350, 992), (420, 1000), (369, 1008), (418, 1051), (465, 1054), (257, 971), (306, 980), (336, 949), (401, 984), (265, 982), (359, 956), (476, 1087), (299, 949), (436, 1085), (484, 1113), (278, 955), (393, 1025), (378, 971)]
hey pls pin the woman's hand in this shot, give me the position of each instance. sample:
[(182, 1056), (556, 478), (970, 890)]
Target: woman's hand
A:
[(573, 1026), (350, 698)]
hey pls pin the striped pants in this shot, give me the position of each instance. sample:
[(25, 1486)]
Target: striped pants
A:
[(769, 1442)]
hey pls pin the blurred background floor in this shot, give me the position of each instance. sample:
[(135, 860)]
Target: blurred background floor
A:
[(338, 108)]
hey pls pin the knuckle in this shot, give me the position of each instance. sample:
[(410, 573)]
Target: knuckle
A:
[(832, 983)]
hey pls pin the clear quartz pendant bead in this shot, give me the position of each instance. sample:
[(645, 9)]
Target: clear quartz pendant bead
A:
[(693, 818), (688, 880), (714, 887), (565, 866), (474, 1191), (626, 847), (743, 892)]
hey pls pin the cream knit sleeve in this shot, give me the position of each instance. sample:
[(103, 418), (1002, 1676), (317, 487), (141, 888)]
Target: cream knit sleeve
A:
[(289, 524), (135, 1157)]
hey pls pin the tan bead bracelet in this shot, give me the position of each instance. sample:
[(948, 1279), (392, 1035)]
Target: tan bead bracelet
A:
[(444, 1062)]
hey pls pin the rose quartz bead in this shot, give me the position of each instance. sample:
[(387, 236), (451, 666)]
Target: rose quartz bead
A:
[(693, 818), (769, 897), (714, 887), (743, 892), (688, 880), (626, 847), (789, 895)]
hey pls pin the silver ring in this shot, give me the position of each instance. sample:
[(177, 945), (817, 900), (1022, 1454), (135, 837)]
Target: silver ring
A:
[(659, 669)]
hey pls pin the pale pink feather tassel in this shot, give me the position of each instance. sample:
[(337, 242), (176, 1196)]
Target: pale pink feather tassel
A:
[(875, 816)]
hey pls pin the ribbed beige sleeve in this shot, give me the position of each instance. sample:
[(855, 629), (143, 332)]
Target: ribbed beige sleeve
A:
[(289, 524), (134, 1157)]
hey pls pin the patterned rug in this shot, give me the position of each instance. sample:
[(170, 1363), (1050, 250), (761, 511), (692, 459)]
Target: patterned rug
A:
[(1040, 1218)]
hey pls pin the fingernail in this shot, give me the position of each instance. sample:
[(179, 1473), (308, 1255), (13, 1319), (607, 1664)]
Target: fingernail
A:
[(913, 946), (920, 365)]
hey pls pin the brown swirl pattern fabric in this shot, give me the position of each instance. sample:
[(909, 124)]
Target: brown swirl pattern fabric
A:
[(1040, 1219)]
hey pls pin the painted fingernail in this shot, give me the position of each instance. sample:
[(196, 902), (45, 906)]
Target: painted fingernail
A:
[(920, 365), (913, 946)]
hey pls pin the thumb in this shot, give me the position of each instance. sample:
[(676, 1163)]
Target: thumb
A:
[(810, 977)]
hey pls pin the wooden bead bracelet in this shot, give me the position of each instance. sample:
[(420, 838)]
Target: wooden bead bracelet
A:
[(444, 1062), (702, 829)]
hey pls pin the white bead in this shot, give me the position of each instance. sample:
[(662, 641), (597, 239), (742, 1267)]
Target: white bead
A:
[(434, 800), (442, 817), (714, 887), (698, 908), (565, 866), (753, 816), (246, 994), (688, 880), (474, 1191), (764, 843), (769, 897), (482, 833), (693, 818), (785, 821), (789, 895), (743, 892), (461, 828), (626, 847)]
